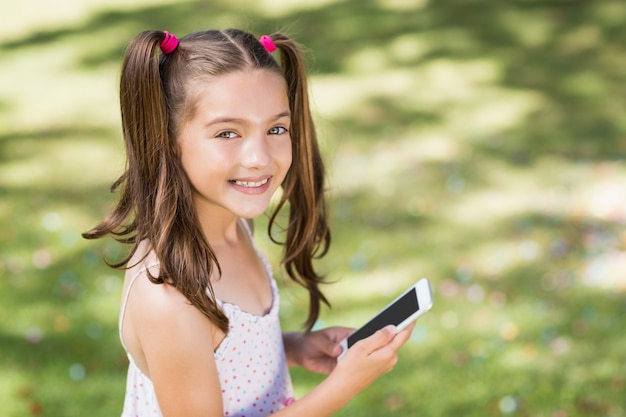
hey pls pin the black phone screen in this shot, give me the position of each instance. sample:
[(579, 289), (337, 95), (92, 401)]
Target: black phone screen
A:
[(395, 314)]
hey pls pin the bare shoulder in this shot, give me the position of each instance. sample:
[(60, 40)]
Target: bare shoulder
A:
[(157, 315), (160, 304), (172, 342)]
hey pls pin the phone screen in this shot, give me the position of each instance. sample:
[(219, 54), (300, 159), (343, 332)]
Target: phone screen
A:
[(395, 314)]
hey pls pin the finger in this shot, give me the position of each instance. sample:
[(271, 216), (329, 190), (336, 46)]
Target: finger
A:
[(379, 339), (403, 336), (337, 333), (330, 338), (324, 341)]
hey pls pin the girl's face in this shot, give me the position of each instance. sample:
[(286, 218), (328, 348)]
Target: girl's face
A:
[(236, 148)]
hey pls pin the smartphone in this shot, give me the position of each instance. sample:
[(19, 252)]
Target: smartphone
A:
[(401, 312)]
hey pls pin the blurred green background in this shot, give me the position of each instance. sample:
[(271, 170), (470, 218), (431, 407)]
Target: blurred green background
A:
[(481, 143)]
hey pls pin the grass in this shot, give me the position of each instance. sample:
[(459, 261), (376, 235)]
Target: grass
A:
[(479, 143)]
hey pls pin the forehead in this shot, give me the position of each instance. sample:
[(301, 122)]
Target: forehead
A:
[(241, 93)]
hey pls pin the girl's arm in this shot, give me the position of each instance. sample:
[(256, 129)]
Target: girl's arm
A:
[(365, 362), (177, 342)]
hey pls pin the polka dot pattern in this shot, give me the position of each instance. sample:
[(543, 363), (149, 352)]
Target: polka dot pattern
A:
[(140, 400), (251, 363)]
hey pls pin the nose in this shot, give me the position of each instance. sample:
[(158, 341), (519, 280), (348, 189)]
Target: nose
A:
[(256, 151)]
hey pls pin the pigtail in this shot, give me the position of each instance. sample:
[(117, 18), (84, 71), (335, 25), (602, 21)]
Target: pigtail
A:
[(308, 235), (155, 194), (143, 119)]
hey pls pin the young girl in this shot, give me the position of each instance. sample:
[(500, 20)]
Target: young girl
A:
[(213, 126)]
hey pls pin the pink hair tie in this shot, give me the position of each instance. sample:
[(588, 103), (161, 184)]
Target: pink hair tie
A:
[(169, 43), (267, 43)]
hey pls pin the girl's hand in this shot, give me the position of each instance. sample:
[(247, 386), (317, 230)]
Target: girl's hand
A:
[(362, 364), (316, 351), (372, 357)]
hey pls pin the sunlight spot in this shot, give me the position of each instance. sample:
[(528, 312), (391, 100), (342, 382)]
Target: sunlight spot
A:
[(481, 319), (61, 323), (34, 335), (51, 221), (497, 299), (560, 346), (24, 18), (408, 48), (358, 262), (606, 270), (496, 111), (530, 352), (475, 293), (455, 184), (109, 283), (366, 60), (52, 163), (16, 266), (449, 288), (93, 330), (464, 273), (278, 8), (434, 146), (404, 5), (509, 331), (68, 238), (77, 372), (607, 200), (386, 187), (42, 258), (507, 404), (529, 250), (369, 247), (530, 32)]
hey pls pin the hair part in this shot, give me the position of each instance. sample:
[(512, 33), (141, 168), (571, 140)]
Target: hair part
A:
[(157, 96)]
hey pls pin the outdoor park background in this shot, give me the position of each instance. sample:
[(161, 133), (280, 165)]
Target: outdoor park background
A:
[(479, 143)]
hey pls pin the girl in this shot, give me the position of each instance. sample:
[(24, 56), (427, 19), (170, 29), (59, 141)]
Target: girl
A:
[(213, 126)]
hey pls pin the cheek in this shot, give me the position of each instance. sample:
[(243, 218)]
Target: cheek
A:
[(288, 157), (283, 158), (287, 153)]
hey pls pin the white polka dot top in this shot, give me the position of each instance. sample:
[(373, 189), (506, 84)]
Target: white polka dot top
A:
[(251, 364)]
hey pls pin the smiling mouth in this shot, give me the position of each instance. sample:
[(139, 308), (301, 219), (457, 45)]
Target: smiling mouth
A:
[(249, 184)]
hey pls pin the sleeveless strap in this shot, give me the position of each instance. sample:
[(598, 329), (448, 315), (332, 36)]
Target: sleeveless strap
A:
[(127, 296), (247, 227)]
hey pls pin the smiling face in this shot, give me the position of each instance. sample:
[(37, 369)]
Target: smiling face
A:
[(236, 147)]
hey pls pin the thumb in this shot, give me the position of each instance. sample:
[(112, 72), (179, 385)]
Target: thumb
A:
[(329, 347), (383, 336)]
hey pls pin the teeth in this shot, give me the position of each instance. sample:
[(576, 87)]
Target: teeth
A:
[(250, 184)]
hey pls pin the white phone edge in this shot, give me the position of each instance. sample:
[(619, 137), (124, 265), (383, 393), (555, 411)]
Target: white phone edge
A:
[(424, 301)]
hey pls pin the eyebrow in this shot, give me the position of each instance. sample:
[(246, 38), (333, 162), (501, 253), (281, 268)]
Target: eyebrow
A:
[(286, 113)]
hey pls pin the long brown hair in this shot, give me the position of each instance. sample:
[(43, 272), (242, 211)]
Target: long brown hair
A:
[(155, 202)]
